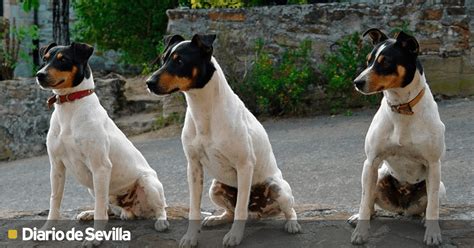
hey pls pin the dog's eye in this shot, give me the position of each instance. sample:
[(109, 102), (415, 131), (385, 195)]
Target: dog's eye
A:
[(386, 63), (179, 61)]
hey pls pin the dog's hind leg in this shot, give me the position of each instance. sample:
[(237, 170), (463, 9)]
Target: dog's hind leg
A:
[(286, 202), (154, 198), (225, 197)]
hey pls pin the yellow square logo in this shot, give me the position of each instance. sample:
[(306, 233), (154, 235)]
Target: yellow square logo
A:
[(12, 234)]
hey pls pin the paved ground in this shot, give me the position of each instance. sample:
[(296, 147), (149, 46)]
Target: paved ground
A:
[(321, 228), (321, 157)]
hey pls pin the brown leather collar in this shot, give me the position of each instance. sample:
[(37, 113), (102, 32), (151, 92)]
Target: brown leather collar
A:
[(406, 108), (69, 97)]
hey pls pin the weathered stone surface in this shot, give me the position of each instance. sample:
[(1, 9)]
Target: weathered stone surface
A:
[(110, 91), (432, 14), (24, 115), (24, 119), (444, 30), (449, 76)]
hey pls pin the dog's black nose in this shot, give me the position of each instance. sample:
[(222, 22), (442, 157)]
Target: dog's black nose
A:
[(359, 84), (41, 76), (151, 84)]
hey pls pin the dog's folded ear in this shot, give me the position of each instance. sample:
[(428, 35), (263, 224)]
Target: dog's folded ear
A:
[(375, 35), (204, 41), (408, 42), (170, 40), (82, 51), (44, 49)]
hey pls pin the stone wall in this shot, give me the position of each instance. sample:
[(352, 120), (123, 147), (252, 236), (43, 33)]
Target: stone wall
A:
[(24, 116), (443, 28)]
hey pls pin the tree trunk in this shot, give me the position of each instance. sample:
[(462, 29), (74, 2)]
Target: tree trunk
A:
[(61, 22)]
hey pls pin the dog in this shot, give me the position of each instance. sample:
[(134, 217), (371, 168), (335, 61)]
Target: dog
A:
[(222, 136), (406, 137), (85, 141)]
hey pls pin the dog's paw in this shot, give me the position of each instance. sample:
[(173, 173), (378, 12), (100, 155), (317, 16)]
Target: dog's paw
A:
[(126, 215), (432, 233), (86, 215), (188, 240), (235, 235), (48, 225), (353, 220), (91, 243), (162, 225), (233, 238), (215, 220), (292, 226), (360, 234)]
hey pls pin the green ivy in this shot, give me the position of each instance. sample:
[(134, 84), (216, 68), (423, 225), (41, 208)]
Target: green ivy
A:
[(198, 4), (340, 66), (278, 86), (135, 28)]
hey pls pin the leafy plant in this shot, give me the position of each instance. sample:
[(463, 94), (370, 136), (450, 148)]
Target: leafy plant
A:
[(135, 28), (341, 65), (10, 52), (198, 4), (278, 86), (149, 68), (403, 26)]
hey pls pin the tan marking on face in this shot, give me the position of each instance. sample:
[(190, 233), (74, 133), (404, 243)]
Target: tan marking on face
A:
[(46, 56), (195, 72), (170, 82), (175, 56), (380, 59), (382, 82), (59, 56), (369, 57), (56, 76)]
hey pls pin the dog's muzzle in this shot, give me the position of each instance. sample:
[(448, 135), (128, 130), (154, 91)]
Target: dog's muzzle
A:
[(151, 85), (360, 84)]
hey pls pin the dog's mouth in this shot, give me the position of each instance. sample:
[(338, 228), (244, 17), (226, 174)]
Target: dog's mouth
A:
[(58, 83), (158, 91), (366, 93)]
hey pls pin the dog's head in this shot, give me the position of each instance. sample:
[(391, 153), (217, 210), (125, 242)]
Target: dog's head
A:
[(391, 64), (64, 66), (186, 64)]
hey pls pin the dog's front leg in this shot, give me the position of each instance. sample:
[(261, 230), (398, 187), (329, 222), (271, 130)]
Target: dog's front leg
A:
[(244, 184), (101, 180), (58, 178), (369, 183), (433, 232), (195, 182)]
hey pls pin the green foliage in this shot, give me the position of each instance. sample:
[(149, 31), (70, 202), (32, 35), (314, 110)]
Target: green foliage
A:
[(278, 86), (10, 51), (135, 28), (341, 66), (198, 4), (28, 5), (149, 68), (403, 26)]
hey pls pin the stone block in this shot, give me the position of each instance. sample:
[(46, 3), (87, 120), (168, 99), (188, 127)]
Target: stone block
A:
[(432, 14)]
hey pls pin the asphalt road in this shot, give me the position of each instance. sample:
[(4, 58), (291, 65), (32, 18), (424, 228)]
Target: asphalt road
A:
[(321, 157)]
